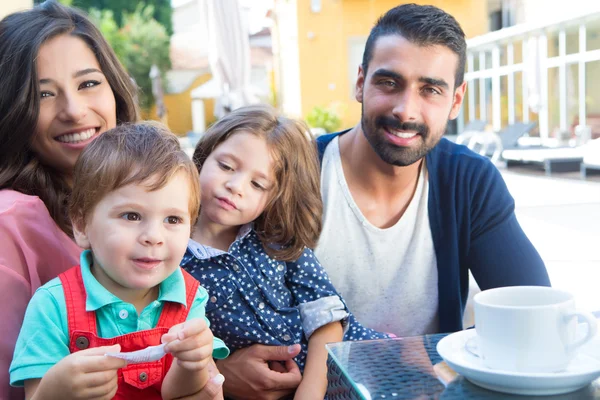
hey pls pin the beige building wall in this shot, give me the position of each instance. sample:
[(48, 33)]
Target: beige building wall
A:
[(331, 41), (10, 6)]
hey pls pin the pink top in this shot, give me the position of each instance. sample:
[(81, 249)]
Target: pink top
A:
[(33, 250)]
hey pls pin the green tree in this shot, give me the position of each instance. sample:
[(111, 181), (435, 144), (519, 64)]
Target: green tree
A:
[(139, 43), (162, 11), (138, 39), (105, 21), (322, 117)]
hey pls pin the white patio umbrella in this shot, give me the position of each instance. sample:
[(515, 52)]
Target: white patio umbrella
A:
[(229, 55), (158, 93)]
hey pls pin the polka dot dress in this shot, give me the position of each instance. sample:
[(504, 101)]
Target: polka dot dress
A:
[(255, 299)]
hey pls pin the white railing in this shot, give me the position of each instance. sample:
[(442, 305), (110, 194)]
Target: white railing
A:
[(484, 63)]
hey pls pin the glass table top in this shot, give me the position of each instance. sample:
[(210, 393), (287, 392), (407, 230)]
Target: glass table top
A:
[(409, 368)]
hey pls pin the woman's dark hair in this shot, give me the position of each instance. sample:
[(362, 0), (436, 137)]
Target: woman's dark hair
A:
[(21, 36)]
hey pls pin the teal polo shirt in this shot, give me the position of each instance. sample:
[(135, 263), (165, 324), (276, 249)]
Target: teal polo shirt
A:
[(44, 337)]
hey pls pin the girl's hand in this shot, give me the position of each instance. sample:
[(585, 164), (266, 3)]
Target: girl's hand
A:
[(191, 343), (86, 374)]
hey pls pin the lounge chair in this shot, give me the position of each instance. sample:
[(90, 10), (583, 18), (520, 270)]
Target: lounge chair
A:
[(473, 126), (551, 159), (559, 159), (486, 143), (493, 144), (591, 157), (510, 135)]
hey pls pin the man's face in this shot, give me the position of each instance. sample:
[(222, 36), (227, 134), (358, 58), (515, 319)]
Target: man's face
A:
[(407, 98)]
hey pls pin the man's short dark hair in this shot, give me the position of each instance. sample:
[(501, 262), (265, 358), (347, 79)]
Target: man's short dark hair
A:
[(423, 26)]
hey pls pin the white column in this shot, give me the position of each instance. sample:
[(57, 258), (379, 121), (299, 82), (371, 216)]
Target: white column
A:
[(471, 88), (286, 13), (582, 50), (482, 105), (543, 71), (524, 77), (510, 59), (496, 102), (562, 79), (198, 117)]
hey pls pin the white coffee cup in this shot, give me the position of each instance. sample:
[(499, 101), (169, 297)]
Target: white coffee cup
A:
[(528, 328)]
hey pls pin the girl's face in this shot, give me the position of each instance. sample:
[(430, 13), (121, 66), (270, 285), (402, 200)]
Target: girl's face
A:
[(77, 104), (236, 181)]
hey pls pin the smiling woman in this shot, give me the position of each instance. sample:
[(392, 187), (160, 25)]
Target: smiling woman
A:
[(76, 103), (61, 80), (62, 86)]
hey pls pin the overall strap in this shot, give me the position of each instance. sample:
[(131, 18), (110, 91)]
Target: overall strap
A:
[(175, 313), (75, 298)]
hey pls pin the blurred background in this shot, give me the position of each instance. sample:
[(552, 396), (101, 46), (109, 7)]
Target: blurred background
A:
[(532, 104), (524, 65)]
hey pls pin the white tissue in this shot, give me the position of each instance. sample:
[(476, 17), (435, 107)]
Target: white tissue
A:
[(148, 354)]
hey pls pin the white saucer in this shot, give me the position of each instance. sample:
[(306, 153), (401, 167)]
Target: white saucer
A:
[(582, 370)]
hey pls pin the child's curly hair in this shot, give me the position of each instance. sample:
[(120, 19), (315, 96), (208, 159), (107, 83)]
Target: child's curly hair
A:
[(130, 153)]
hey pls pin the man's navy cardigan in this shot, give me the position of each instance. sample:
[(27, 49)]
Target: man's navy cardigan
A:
[(474, 227)]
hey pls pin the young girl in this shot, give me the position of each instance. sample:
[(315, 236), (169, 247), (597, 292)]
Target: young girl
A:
[(260, 216), (129, 292)]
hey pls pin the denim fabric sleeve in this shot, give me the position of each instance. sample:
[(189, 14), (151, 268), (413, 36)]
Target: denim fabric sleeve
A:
[(198, 310), (321, 312), (317, 299)]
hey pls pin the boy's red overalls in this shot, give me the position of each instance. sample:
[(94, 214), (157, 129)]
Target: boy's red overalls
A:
[(136, 381)]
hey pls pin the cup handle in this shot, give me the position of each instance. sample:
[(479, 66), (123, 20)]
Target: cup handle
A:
[(471, 346), (591, 322)]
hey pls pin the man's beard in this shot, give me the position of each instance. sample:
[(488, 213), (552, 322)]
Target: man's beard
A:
[(397, 155)]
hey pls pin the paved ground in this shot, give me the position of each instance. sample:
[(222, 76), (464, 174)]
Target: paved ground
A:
[(561, 216)]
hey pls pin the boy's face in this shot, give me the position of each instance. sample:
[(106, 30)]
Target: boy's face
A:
[(137, 236)]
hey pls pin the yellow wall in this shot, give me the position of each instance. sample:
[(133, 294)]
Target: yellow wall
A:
[(179, 108), (10, 6), (324, 76)]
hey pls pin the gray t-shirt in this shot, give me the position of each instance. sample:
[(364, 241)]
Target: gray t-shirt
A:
[(388, 277)]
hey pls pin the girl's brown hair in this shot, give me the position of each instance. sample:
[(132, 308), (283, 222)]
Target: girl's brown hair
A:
[(292, 219), (143, 153), (21, 36)]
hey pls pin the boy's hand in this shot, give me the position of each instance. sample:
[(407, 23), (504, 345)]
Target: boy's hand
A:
[(191, 343), (86, 374)]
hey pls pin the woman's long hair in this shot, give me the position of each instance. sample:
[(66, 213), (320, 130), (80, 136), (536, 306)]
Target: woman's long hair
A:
[(21, 36), (292, 219)]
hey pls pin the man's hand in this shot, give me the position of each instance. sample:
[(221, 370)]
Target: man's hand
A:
[(86, 374), (191, 343), (248, 375)]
